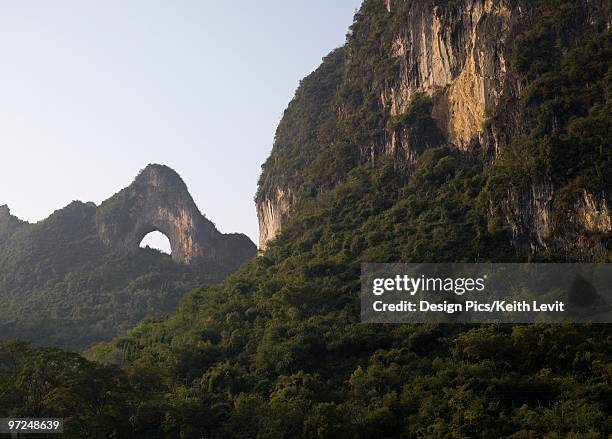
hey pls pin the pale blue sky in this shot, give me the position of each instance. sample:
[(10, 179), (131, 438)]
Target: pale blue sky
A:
[(93, 91)]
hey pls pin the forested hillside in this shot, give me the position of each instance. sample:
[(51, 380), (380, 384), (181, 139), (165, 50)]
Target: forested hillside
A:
[(278, 350), (59, 286), (79, 276)]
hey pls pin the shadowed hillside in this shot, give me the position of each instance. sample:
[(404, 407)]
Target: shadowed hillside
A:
[(80, 277)]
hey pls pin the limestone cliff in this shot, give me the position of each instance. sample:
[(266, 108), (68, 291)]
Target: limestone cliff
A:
[(271, 212), (581, 231), (296, 143), (158, 199), (456, 54), (79, 276)]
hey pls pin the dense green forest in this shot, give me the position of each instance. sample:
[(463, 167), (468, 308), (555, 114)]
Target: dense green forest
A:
[(277, 349)]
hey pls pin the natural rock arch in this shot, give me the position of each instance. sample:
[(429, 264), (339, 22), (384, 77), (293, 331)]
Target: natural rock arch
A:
[(158, 199), (156, 240)]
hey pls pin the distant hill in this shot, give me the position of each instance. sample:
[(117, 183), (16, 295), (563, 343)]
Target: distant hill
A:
[(80, 277)]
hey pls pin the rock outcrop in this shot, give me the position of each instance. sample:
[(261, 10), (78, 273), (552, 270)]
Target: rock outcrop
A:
[(457, 54), (530, 215), (271, 212), (79, 276), (458, 57), (158, 200)]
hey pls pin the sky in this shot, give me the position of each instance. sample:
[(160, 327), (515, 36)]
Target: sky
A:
[(91, 92)]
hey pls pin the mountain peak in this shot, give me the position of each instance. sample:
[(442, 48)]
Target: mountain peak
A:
[(159, 169), (156, 175), (158, 200)]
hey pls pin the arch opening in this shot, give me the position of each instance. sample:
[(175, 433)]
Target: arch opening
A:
[(158, 241)]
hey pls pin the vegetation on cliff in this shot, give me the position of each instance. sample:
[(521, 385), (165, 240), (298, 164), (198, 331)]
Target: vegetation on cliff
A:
[(277, 349), (562, 118)]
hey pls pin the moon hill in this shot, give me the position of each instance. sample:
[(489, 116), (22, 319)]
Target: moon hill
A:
[(80, 276)]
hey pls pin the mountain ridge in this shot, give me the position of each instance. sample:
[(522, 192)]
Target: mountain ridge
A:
[(62, 272)]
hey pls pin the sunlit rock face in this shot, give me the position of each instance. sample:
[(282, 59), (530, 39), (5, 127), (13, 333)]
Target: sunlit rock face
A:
[(271, 213), (457, 55), (158, 199)]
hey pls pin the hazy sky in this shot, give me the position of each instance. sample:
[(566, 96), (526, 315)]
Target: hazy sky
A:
[(93, 91)]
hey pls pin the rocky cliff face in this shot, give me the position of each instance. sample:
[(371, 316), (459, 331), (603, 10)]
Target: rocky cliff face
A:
[(578, 232), (296, 143), (271, 212), (158, 199), (457, 55)]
